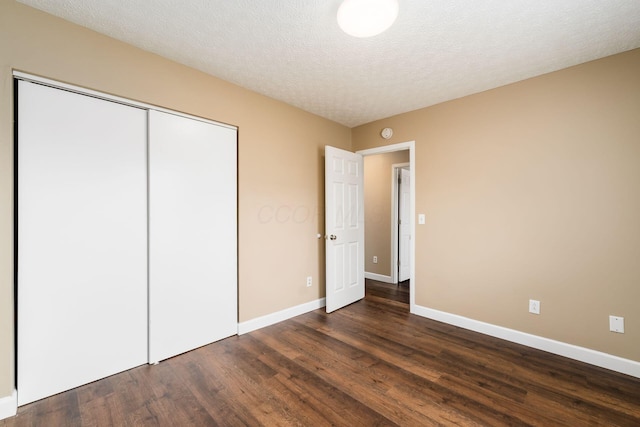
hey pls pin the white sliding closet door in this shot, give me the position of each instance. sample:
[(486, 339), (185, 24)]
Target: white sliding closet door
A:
[(192, 234), (82, 240)]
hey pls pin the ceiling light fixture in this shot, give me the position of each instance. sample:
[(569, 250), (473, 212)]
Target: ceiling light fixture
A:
[(367, 18)]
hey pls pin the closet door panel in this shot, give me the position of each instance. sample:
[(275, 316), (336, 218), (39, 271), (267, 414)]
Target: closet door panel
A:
[(192, 234), (82, 241)]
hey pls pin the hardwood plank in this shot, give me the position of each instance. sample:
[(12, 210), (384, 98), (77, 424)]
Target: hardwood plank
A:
[(488, 390), (208, 384), (302, 387), (399, 292), (372, 379), (371, 363)]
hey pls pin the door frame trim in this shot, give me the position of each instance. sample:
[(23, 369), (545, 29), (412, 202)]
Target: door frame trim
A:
[(401, 146), (20, 75)]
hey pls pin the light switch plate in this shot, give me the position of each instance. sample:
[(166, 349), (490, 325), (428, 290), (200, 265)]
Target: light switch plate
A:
[(421, 219), (616, 324)]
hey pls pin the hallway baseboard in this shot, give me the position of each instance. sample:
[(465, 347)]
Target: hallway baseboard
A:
[(378, 277)]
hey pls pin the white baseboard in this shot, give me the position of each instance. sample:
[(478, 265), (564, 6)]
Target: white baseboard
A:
[(593, 357), (279, 316), (8, 406), (378, 277)]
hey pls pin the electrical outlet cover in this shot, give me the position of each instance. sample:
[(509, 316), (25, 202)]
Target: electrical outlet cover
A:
[(534, 306)]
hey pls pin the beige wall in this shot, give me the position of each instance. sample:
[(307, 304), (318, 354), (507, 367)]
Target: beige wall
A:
[(378, 210), (281, 182), (532, 190)]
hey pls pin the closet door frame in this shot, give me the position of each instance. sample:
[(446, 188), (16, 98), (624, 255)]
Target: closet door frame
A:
[(21, 76)]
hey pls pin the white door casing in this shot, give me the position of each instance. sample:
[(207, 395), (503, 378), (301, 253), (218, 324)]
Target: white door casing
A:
[(82, 240), (411, 146), (192, 234), (404, 226), (344, 227)]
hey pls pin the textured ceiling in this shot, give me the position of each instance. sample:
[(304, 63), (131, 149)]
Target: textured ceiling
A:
[(437, 50)]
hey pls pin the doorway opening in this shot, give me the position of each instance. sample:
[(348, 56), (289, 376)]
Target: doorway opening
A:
[(384, 274)]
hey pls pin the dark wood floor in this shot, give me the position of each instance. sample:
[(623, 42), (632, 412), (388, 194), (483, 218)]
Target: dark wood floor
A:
[(398, 293), (371, 363)]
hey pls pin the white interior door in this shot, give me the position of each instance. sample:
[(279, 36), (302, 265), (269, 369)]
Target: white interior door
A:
[(404, 226), (192, 234), (82, 240), (344, 227)]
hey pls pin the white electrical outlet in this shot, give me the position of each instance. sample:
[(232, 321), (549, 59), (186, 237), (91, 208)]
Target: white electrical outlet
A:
[(309, 281), (534, 306), (616, 324), (375, 259)]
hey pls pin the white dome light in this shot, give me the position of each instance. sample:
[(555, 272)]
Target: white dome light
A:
[(366, 18)]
